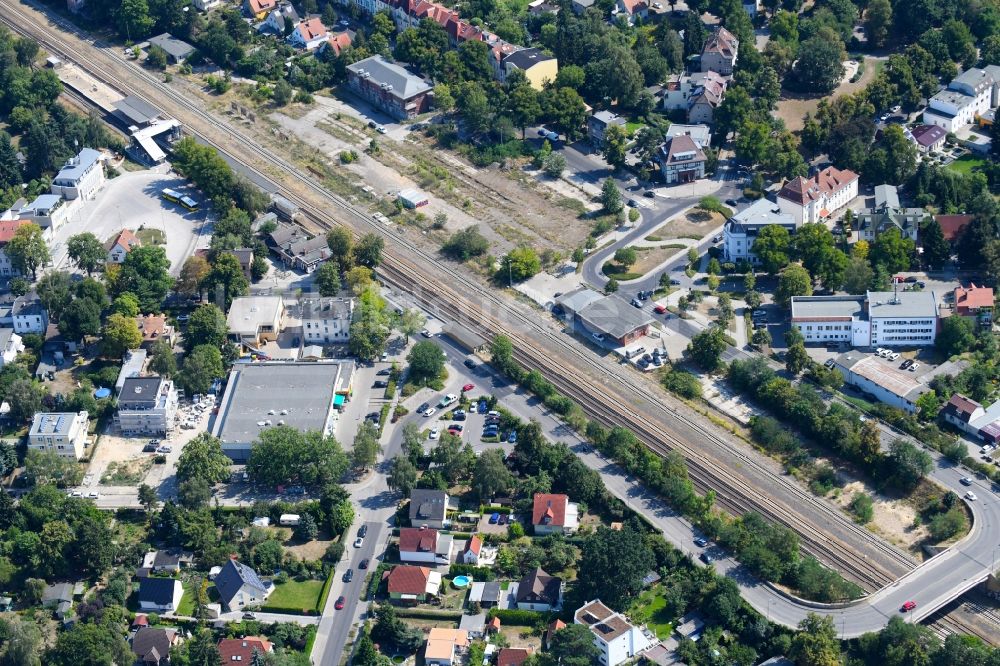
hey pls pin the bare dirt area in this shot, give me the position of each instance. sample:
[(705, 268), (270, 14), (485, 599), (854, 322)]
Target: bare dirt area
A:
[(792, 107), (693, 224), (309, 551), (651, 257), (510, 206), (893, 519)]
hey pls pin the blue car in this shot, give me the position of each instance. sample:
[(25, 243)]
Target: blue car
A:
[(482, 407), (512, 438), (494, 518)]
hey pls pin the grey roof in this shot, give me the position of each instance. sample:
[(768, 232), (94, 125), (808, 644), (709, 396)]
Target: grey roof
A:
[(44, 202), (527, 58), (152, 639), (473, 623), (959, 99), (883, 373), (175, 48), (608, 118), (538, 586), (132, 364), (577, 300), (428, 505), (330, 307), (702, 134), (404, 84), (467, 339), (299, 394), (159, 591), (233, 577), (28, 304), (975, 78), (52, 423), (77, 166), (491, 592), (58, 592), (761, 213), (886, 195), (777, 661), (248, 313), (902, 304), (811, 307), (614, 316), (137, 111), (139, 393)]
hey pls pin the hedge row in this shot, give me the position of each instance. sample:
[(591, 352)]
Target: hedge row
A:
[(477, 573)]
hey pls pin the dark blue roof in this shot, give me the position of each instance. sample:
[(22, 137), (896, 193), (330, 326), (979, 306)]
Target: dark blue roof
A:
[(233, 576), (159, 591)]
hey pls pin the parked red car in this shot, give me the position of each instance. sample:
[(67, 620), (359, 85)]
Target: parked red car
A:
[(468, 387), (908, 606)]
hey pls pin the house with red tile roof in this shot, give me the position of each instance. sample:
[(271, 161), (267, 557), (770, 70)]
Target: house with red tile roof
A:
[(309, 34), (425, 545), (7, 230), (240, 650), (473, 547), (258, 9), (553, 627), (810, 200), (513, 656), (409, 584), (952, 226), (975, 303), (119, 246), (153, 328), (719, 52), (632, 9), (554, 514), (338, 43)]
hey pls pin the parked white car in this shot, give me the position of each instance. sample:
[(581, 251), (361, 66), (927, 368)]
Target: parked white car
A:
[(435, 433)]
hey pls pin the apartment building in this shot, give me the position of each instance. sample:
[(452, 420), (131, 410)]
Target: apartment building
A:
[(817, 198), (972, 93), (741, 230), (617, 639), (146, 406), (327, 321), (888, 214), (390, 87), (719, 52), (698, 95), (63, 433), (81, 176), (598, 125)]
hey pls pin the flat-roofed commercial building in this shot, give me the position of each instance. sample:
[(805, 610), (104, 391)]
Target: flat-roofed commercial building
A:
[(305, 396), (882, 379), (880, 318)]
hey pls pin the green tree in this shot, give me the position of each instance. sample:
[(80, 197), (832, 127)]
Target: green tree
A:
[(145, 274), (119, 335), (207, 326), (162, 360), (22, 642), (611, 196), (796, 358), (283, 455), (282, 93), (202, 366), (772, 247), (402, 476), (573, 645), (816, 643), (937, 250), (410, 322), (426, 362), (87, 252), (199, 650), (366, 446), (524, 107), (341, 245), (626, 256), (613, 564), (88, 644), (819, 67), (226, 279), (490, 476), (328, 279), (466, 244), (193, 272), (55, 292), (615, 145), (156, 58), (565, 109), (858, 276), (148, 497), (519, 264), (27, 250), (908, 464), (368, 251), (553, 165), (892, 251), (203, 457), (957, 336), (878, 19), (133, 19), (706, 348), (793, 281), (81, 318)]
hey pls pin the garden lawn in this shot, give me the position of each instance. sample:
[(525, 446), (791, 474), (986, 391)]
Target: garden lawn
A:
[(966, 164), (651, 609), (295, 597)]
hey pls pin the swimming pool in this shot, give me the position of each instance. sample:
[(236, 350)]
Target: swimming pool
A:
[(461, 581)]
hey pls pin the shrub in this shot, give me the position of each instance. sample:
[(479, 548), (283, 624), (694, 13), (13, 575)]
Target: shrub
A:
[(477, 573), (861, 507)]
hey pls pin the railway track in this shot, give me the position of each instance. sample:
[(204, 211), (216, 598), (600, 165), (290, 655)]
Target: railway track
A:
[(447, 292)]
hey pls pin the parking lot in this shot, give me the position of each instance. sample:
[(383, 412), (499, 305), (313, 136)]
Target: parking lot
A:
[(132, 201)]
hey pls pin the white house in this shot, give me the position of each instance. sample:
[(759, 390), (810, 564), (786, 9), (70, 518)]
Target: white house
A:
[(81, 176), (632, 9), (309, 34), (554, 514), (119, 246), (29, 315), (813, 199), (252, 319), (972, 93), (701, 134), (888, 214), (275, 21), (927, 138), (473, 549), (327, 320), (741, 230), (425, 545), (161, 595), (877, 319), (205, 5), (63, 433), (616, 638), (7, 230), (719, 52), (49, 211), (239, 586), (698, 95), (10, 346)]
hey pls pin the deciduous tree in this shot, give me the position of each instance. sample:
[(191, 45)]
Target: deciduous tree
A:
[(27, 249), (119, 335), (87, 252)]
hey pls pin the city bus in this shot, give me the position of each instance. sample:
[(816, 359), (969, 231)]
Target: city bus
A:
[(178, 198)]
